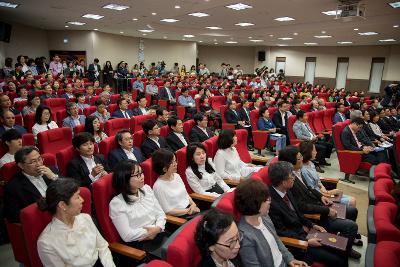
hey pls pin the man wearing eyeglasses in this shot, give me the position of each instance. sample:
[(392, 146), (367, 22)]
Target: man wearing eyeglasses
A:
[(28, 185)]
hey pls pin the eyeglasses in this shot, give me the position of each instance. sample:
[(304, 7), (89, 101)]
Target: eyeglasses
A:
[(137, 175), (233, 243), (35, 161)]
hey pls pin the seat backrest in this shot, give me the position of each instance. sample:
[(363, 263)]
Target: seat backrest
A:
[(29, 121), (305, 107), (19, 105), (112, 107), (227, 203), (318, 121), (263, 174), (217, 101), (382, 190), (165, 131), (64, 156), (337, 132), (34, 221), (102, 194), (181, 168), (291, 120), (89, 110), (384, 217), (61, 115), (53, 140), (157, 263), (136, 122), (150, 176), (107, 145), (138, 138), (111, 127), (16, 236), (211, 146), (254, 116), (55, 103), (79, 128), (187, 127), (181, 249), (327, 118), (330, 105), (241, 145), (311, 117), (222, 110)]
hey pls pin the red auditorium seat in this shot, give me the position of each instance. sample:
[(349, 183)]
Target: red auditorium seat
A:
[(187, 127), (330, 105), (293, 139), (64, 156), (380, 222), (259, 137), (112, 107), (136, 122), (349, 161), (382, 191), (60, 116), (217, 101), (211, 146), (319, 122), (165, 131), (53, 140), (89, 110), (16, 236), (102, 194), (55, 104), (383, 254), (225, 124), (111, 127), (241, 145), (328, 115), (150, 176), (381, 171), (34, 221), (79, 128), (138, 138), (19, 120), (19, 105), (305, 107), (107, 145), (157, 263)]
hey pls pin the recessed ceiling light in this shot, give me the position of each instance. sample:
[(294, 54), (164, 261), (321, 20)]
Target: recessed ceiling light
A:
[(66, 26), (395, 26), (256, 40), (282, 45), (271, 35), (177, 7), (244, 24), (121, 32), (395, 4), (388, 40), (284, 19), (199, 14), (239, 6), (76, 23), (9, 5), (165, 37), (134, 19), (200, 41), (311, 43), (295, 33), (183, 39), (322, 36), (116, 7), (214, 28), (231, 42), (215, 43), (154, 13), (285, 38), (144, 34), (367, 33), (188, 35), (356, 29), (323, 32), (95, 29), (332, 12), (345, 42), (249, 37), (92, 16), (169, 20), (146, 30)]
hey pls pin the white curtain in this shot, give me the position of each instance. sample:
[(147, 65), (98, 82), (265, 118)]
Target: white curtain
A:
[(341, 74), (309, 73), (376, 77)]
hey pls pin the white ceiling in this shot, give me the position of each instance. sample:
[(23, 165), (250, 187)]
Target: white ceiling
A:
[(309, 21)]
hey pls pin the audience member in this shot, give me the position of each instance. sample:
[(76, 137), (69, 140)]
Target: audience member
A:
[(264, 123), (23, 94), (188, 102), (43, 121), (162, 117), (123, 111), (48, 93), (167, 94), (7, 120), (339, 115), (153, 139), (74, 118), (13, 140), (32, 104), (142, 106), (93, 126), (101, 111), (200, 132), (280, 119), (176, 139), (6, 105)]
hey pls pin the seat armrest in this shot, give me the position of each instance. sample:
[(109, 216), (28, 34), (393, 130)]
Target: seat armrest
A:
[(371, 193), (329, 180), (128, 251), (175, 220), (232, 182), (258, 158), (313, 216), (371, 225), (202, 197), (369, 255), (292, 242), (351, 151)]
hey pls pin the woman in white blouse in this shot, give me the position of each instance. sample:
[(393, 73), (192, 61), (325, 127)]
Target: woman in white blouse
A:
[(135, 211), (92, 125), (227, 160), (169, 188), (201, 174), (373, 123), (43, 121), (13, 139), (71, 238)]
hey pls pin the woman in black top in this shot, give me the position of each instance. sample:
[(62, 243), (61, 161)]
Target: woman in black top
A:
[(108, 73)]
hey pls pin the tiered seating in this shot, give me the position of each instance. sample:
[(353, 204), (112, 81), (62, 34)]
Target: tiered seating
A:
[(54, 140), (111, 127)]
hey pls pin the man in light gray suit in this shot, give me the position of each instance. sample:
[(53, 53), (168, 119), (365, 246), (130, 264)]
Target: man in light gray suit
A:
[(74, 118), (303, 131)]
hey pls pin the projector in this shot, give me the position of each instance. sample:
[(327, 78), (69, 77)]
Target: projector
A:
[(349, 10)]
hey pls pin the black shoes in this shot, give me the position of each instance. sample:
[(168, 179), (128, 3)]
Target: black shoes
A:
[(354, 254)]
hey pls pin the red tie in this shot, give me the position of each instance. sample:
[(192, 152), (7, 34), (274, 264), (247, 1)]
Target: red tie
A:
[(287, 201)]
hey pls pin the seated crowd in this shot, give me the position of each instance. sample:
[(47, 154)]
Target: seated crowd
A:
[(139, 211)]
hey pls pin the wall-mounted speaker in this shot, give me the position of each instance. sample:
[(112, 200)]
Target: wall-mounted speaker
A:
[(261, 55)]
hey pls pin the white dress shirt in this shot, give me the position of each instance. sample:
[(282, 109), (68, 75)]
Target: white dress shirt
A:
[(276, 253), (143, 110), (283, 118), (130, 154), (230, 166), (79, 246), (38, 182), (155, 140), (171, 194), (38, 128), (90, 164), (204, 130), (130, 219), (7, 158), (207, 181), (181, 137)]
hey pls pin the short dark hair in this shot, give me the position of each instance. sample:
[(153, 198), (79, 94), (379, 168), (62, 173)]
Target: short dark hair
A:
[(39, 112), (160, 111), (338, 105), (69, 105), (172, 121), (289, 154), (118, 136), (358, 121), (198, 117), (184, 90), (21, 154), (300, 114), (10, 135), (59, 190), (140, 97), (214, 223), (279, 172), (119, 101), (148, 125), (225, 138), (306, 148), (99, 102), (280, 104), (262, 111), (30, 98), (77, 95), (82, 138), (162, 158), (122, 176), (249, 195), (89, 125)]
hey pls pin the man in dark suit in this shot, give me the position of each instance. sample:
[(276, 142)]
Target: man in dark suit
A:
[(153, 141), (87, 167), (123, 111), (142, 106), (176, 139), (350, 141), (167, 94), (125, 150), (339, 115), (162, 117), (94, 70), (289, 221), (295, 107), (244, 115), (280, 119), (7, 120), (200, 132), (28, 185)]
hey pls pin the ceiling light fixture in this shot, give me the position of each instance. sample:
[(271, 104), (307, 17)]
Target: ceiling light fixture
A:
[(92, 16), (76, 23), (244, 24), (95, 29), (323, 32), (388, 40), (144, 34), (146, 30), (284, 19), (199, 14), (200, 41), (311, 43), (285, 38), (345, 42), (395, 26), (231, 42), (271, 35), (239, 6), (367, 33), (322, 36), (250, 37), (215, 43), (188, 36), (282, 45), (295, 33), (332, 12), (154, 13), (134, 19), (169, 20), (9, 5), (165, 37), (121, 32), (256, 40), (214, 28), (66, 26), (116, 7), (395, 4), (356, 29), (177, 7)]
